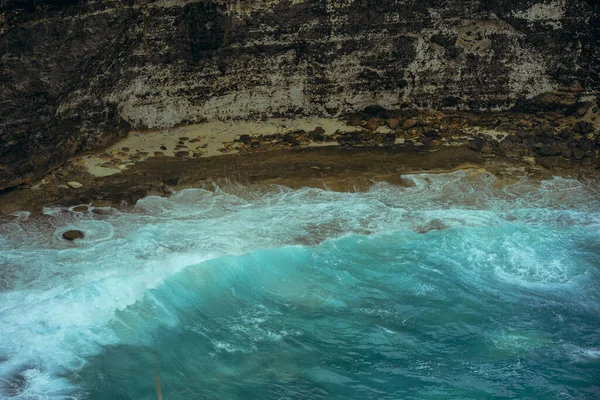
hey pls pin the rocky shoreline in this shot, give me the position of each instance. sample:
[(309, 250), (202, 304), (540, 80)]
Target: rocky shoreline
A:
[(374, 145)]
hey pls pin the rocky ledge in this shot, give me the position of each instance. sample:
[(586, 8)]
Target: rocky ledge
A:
[(350, 154)]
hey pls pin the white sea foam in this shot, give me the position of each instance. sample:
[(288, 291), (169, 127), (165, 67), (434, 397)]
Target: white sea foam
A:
[(57, 298)]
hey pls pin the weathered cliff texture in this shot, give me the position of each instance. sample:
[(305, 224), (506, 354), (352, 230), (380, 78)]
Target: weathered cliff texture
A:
[(74, 75)]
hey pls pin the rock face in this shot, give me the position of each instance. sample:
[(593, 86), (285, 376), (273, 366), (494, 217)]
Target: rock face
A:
[(78, 74)]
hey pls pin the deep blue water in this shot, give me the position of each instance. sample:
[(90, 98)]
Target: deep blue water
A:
[(456, 288)]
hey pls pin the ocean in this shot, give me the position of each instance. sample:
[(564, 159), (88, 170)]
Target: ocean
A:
[(454, 287)]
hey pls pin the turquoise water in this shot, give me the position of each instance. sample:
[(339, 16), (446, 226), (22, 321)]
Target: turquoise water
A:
[(451, 289)]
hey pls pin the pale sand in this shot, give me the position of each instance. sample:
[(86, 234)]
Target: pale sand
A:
[(209, 139)]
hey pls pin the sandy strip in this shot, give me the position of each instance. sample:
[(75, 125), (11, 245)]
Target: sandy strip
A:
[(200, 140)]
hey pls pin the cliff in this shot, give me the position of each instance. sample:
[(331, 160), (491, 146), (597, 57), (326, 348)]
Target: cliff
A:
[(77, 75)]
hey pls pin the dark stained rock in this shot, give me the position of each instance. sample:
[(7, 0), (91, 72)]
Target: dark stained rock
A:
[(73, 234), (134, 193), (80, 208), (578, 154), (477, 143), (317, 135), (566, 133), (583, 127), (291, 139), (246, 139), (550, 150), (431, 134)]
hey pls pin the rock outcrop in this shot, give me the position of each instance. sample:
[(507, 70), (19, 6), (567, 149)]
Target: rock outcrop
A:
[(77, 74)]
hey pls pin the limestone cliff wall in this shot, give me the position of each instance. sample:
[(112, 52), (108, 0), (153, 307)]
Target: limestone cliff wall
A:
[(75, 75)]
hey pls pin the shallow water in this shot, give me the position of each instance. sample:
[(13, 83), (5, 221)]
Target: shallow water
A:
[(453, 288)]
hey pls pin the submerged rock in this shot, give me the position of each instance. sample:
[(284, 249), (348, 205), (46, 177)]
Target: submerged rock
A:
[(73, 234)]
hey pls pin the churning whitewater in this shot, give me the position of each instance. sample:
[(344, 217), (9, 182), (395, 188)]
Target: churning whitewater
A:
[(454, 287)]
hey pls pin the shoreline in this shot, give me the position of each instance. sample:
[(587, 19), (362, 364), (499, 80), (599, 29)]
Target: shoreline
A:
[(331, 168), (337, 154)]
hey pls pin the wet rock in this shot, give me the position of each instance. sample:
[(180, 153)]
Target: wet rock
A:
[(159, 154), (487, 150), (73, 234), (75, 185), (183, 153), (80, 209), (184, 138), (103, 211), (125, 149), (433, 225), (134, 193), (163, 148)]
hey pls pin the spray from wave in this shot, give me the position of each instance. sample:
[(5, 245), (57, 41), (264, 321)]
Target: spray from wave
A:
[(270, 292)]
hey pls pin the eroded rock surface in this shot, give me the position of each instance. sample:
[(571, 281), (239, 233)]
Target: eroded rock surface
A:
[(77, 75)]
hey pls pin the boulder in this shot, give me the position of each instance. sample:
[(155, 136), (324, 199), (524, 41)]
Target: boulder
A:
[(373, 124), (409, 123), (73, 234), (393, 123)]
